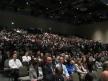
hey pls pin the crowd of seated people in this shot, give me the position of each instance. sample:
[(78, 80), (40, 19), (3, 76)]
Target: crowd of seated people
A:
[(50, 57)]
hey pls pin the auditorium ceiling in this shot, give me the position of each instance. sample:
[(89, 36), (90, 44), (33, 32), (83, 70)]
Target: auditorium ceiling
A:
[(69, 11)]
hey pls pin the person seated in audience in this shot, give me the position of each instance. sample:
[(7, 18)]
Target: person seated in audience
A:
[(104, 74), (26, 59), (80, 69), (35, 70), (58, 76), (14, 65), (48, 69), (70, 67), (60, 64), (91, 75)]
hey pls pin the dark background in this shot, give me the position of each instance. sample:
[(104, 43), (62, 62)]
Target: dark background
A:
[(95, 30)]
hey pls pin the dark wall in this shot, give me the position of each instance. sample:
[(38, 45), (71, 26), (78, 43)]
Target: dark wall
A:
[(95, 31), (28, 21)]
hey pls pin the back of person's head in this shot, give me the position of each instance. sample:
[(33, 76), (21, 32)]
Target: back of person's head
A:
[(105, 65), (58, 71), (90, 68)]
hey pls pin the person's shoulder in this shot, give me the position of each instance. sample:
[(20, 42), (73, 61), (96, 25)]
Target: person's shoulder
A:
[(105, 72), (17, 60), (64, 65), (29, 56), (23, 56)]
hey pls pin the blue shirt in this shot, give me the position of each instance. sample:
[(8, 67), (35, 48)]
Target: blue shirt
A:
[(70, 68)]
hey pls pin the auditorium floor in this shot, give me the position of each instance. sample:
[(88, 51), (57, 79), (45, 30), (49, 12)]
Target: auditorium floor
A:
[(2, 78)]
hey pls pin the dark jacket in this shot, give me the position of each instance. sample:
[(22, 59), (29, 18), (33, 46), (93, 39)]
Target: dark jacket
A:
[(48, 71)]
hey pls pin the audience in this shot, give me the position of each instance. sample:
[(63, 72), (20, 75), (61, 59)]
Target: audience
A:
[(47, 55)]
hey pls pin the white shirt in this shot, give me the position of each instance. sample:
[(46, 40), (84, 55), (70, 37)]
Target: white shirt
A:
[(15, 64), (26, 59)]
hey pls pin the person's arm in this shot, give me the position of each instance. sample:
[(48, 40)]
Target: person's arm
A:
[(40, 73), (19, 63), (78, 70), (66, 72), (29, 58), (24, 59), (73, 69), (11, 64), (84, 69)]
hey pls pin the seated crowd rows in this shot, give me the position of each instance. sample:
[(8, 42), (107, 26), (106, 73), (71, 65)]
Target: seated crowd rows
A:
[(50, 57)]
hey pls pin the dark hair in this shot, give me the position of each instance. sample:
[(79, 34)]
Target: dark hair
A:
[(68, 61), (105, 65), (58, 71)]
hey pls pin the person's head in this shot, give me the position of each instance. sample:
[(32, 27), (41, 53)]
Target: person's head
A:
[(15, 51), (61, 59), (105, 65), (49, 60), (72, 62), (58, 71), (78, 61), (14, 56)]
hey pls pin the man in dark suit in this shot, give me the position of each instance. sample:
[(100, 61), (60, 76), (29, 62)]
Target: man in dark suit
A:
[(48, 69)]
